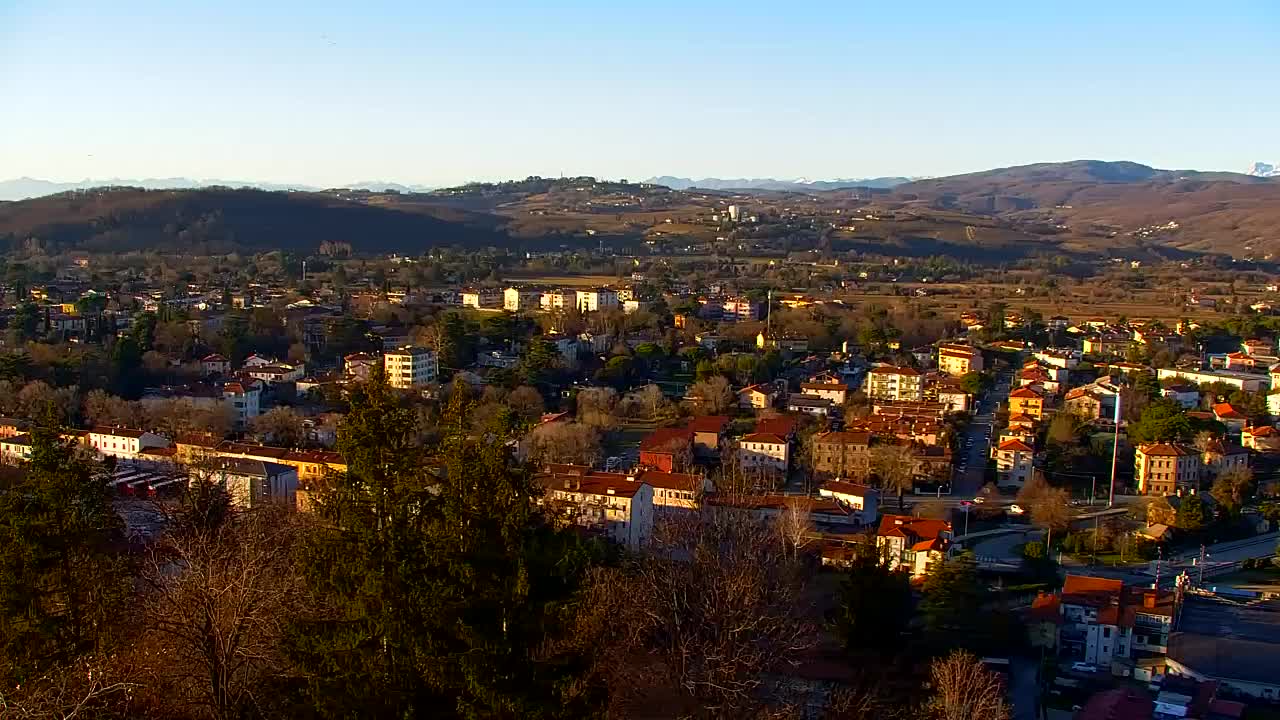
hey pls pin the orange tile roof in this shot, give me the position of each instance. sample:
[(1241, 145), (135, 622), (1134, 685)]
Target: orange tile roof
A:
[(913, 528), (1025, 393), (1165, 450), (764, 438), (1015, 445)]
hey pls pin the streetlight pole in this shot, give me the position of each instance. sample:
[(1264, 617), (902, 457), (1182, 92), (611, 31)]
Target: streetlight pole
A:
[(1115, 451)]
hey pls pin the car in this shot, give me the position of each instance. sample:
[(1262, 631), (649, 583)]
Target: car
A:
[(1083, 667), (979, 500), (1016, 510)]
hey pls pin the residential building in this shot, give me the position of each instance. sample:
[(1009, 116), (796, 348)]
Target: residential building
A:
[(558, 300), (740, 310), (766, 452), (215, 365), (912, 544), (1092, 402), (836, 392), (895, 383), (254, 483), (667, 449), (1188, 396), (410, 367), (1103, 621), (1232, 417), (1110, 344), (1248, 382), (617, 506), (11, 427), (1261, 438), (597, 299), (244, 398), (809, 405), (955, 399), (842, 455), (708, 434), (122, 443), (675, 491), (1025, 401), (1014, 463), (1218, 457), (480, 298), (863, 500), (15, 448), (757, 397), (959, 359), (519, 299), (1165, 468), (359, 366), (276, 374)]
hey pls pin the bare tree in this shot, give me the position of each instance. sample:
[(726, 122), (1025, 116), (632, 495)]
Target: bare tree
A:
[(965, 690), (281, 426), (895, 465), (526, 402), (102, 408), (1232, 487), (648, 402), (795, 525), (65, 693), (718, 603), (596, 407), (1050, 506), (217, 606), (562, 442), (713, 395)]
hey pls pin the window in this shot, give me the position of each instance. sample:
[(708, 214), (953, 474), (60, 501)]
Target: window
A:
[(1106, 632)]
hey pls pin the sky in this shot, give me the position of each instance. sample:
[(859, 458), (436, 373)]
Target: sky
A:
[(328, 93)]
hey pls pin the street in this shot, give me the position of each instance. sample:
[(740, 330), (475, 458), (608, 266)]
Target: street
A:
[(974, 449)]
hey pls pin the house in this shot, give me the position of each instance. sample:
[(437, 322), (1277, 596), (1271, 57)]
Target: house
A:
[(1108, 344), (842, 454), (256, 360), (410, 367), (667, 449), (888, 382), (740, 309), (617, 506), (911, 543), (253, 483), (1248, 382), (480, 298), (1038, 377), (708, 434), (122, 443), (11, 427), (836, 392), (15, 448), (1261, 438), (1218, 457), (275, 374), (809, 405), (1232, 417), (765, 452), (359, 366), (1104, 621), (1014, 462), (1165, 468), (245, 400), (675, 491), (1025, 401), (1093, 402), (558, 300), (757, 397), (959, 359), (863, 500), (955, 399), (214, 365)]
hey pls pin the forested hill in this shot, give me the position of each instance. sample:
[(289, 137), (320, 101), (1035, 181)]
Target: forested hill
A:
[(220, 220)]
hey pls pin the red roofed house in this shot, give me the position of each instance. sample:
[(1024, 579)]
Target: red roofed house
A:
[(1262, 438), (765, 452), (667, 449), (1229, 415), (1014, 462), (1103, 620), (1164, 468), (1026, 401), (757, 397), (215, 364), (864, 501), (615, 505), (708, 434), (912, 543), (784, 425)]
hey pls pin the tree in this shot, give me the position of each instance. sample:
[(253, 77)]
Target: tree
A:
[(526, 402), (1161, 421), (795, 526), (713, 395), (875, 604), (216, 607), (596, 407), (1050, 506), (439, 594), (952, 602), (1191, 516), (895, 466), (973, 383), (281, 426), (539, 362), (965, 690), (1231, 488), (562, 442), (61, 577)]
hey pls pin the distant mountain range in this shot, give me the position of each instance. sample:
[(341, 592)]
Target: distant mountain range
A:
[(24, 187), (797, 185), (1267, 170)]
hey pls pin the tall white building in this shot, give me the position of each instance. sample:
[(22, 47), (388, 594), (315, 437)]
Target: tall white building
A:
[(516, 299), (597, 299), (410, 367)]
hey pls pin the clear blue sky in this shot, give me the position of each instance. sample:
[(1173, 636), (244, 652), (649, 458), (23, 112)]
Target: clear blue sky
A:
[(436, 93)]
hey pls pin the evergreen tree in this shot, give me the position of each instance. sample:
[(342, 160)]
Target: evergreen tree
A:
[(953, 600), (62, 576), (875, 604), (439, 591)]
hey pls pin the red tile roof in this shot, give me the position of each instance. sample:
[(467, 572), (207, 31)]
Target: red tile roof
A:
[(1015, 445), (912, 528), (847, 488), (1023, 393), (708, 423), (764, 438), (663, 439), (1165, 450)]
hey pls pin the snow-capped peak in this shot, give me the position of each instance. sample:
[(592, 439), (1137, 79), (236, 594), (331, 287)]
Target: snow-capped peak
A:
[(1261, 169)]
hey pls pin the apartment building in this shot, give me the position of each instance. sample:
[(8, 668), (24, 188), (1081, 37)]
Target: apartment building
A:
[(410, 367), (558, 300), (912, 544), (842, 454), (360, 365), (254, 483), (597, 299), (214, 365), (836, 392), (895, 383), (1014, 462), (122, 443), (618, 507), (740, 310), (764, 451), (1165, 468), (959, 359), (1102, 621), (1248, 382), (862, 500), (518, 299), (245, 400), (1025, 401), (480, 298)]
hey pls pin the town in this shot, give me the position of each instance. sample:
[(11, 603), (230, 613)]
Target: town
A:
[(1088, 504)]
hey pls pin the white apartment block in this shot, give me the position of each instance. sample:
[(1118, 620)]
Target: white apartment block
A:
[(895, 383), (517, 299), (618, 506), (1014, 462), (558, 300), (245, 399), (597, 299), (481, 298), (122, 443), (410, 367), (956, 359), (764, 451)]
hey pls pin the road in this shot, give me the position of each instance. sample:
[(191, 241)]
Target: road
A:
[(975, 446), (1227, 552)]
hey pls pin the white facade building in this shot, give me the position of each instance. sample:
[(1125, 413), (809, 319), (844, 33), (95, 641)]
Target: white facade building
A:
[(410, 367)]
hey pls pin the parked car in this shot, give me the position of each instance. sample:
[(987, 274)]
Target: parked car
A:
[(1083, 667), (1016, 509), (979, 500)]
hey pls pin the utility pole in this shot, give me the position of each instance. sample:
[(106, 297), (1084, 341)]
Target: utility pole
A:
[(1200, 582), (1159, 558), (1115, 451)]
